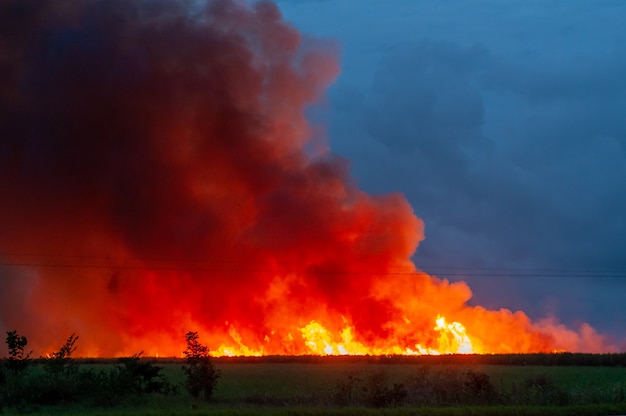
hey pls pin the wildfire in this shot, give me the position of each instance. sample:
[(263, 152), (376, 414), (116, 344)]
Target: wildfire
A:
[(239, 349), (318, 340), (453, 337), (183, 188)]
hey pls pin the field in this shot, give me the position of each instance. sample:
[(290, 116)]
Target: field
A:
[(449, 385)]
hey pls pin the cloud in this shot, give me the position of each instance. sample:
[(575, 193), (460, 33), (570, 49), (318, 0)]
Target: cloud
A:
[(513, 161)]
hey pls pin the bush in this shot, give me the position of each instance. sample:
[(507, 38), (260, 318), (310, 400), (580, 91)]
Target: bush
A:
[(379, 394), (478, 387), (201, 373), (62, 381), (346, 392), (130, 380), (13, 373), (60, 363), (138, 376), (450, 386), (542, 390), (58, 383), (18, 359), (374, 390)]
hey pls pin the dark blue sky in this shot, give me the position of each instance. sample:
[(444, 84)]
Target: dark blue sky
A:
[(504, 124)]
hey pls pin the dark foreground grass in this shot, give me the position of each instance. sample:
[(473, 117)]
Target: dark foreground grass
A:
[(217, 410), (346, 388), (317, 384)]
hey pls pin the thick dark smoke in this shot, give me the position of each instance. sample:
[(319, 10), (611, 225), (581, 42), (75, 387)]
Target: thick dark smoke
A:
[(158, 175), (162, 145)]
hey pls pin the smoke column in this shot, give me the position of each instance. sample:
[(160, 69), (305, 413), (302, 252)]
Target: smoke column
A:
[(158, 175)]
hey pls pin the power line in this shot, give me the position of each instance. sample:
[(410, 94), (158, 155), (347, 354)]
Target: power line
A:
[(231, 267)]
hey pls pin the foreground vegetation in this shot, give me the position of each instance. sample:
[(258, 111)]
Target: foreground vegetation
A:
[(448, 385), (26, 384)]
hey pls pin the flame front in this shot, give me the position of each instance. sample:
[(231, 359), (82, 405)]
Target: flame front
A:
[(452, 340), (316, 339)]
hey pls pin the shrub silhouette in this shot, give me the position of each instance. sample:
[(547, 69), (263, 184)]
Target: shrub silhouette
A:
[(346, 390), (63, 381), (13, 378), (478, 387), (379, 394), (139, 376), (201, 373), (18, 359), (59, 382), (60, 363)]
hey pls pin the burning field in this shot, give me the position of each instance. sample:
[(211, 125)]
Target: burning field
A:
[(158, 175)]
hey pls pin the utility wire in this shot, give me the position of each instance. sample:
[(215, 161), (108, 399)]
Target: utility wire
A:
[(107, 263)]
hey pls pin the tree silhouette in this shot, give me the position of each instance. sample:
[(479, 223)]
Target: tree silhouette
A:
[(18, 357), (60, 362), (201, 373)]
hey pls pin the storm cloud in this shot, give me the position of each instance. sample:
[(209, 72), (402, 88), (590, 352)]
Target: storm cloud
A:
[(505, 127)]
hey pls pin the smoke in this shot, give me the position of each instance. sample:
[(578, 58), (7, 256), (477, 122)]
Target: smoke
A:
[(158, 175)]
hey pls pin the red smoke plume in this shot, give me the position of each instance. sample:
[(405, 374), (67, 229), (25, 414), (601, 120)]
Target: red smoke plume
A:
[(158, 175)]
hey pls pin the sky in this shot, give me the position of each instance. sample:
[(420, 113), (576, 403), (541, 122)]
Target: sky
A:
[(504, 125)]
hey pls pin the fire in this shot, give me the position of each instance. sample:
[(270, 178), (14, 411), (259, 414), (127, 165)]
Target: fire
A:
[(453, 337), (182, 188), (452, 340), (239, 349), (318, 340)]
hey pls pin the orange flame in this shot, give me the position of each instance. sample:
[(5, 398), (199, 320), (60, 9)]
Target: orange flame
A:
[(452, 340)]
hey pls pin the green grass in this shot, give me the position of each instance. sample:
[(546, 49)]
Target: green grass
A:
[(261, 386), (308, 389), (240, 382)]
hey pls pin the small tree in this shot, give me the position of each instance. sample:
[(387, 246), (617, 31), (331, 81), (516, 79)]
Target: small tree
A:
[(13, 386), (60, 362), (201, 373), (18, 357), (67, 349)]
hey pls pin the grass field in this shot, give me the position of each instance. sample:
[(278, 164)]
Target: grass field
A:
[(366, 387), (317, 384)]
